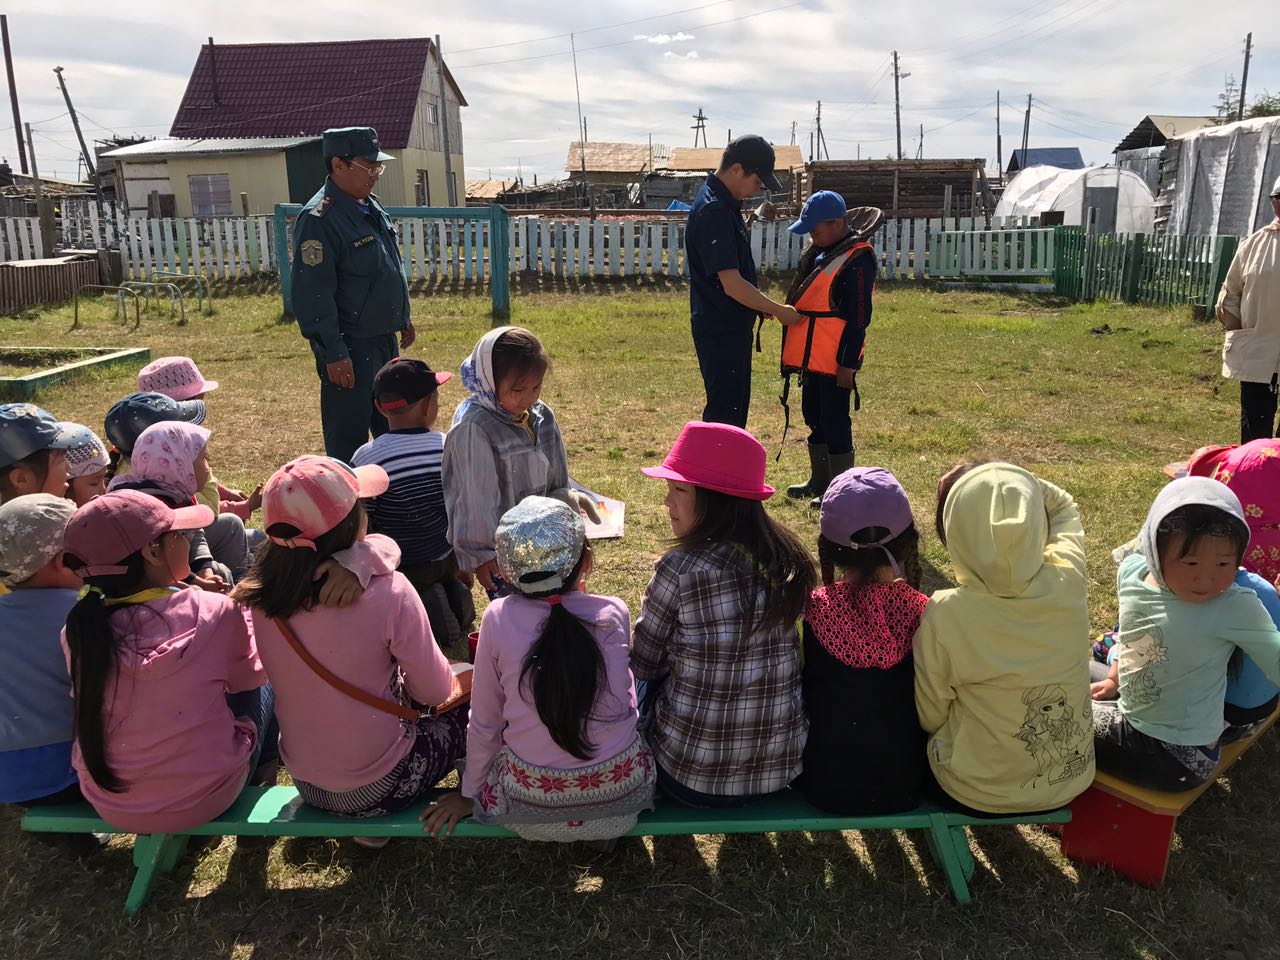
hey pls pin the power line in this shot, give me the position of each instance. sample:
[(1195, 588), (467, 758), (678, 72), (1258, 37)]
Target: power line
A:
[(607, 26)]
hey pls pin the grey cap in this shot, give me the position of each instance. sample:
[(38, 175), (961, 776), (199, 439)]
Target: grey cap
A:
[(31, 534), (539, 542), (25, 429)]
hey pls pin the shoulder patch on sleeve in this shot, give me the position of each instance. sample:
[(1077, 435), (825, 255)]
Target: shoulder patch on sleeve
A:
[(312, 252)]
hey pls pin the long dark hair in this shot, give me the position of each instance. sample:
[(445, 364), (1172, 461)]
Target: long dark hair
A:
[(776, 558), (564, 670), (279, 582), (945, 483), (859, 566), (95, 650)]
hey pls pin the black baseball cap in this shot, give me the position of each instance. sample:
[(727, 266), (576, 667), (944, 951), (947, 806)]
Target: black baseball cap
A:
[(404, 381), (756, 156)]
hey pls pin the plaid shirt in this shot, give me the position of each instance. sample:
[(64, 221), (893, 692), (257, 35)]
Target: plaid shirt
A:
[(729, 720)]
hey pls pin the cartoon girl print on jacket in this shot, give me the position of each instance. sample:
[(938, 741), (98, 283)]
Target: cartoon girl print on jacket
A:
[(1057, 742), (1138, 657)]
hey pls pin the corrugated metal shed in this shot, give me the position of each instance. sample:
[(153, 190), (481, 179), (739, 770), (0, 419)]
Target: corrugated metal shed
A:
[(179, 147), (1155, 130)]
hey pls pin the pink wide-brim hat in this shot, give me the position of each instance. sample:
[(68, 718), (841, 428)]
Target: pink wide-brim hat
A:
[(717, 456), (176, 377)]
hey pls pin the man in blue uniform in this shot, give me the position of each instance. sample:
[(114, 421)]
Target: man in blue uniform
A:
[(723, 299), (349, 294)]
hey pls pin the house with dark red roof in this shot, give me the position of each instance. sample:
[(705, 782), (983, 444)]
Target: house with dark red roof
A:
[(247, 132)]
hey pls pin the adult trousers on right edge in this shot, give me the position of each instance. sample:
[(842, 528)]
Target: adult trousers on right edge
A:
[(1257, 410), (724, 357)]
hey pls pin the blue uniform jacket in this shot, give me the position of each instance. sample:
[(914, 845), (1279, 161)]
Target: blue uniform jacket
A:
[(716, 239), (348, 278)]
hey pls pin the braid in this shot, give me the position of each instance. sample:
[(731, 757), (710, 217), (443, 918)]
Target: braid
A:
[(909, 563)]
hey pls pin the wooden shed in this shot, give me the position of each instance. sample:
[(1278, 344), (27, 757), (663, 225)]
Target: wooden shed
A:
[(901, 188)]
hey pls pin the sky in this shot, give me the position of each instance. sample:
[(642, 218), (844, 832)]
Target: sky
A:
[(1093, 68)]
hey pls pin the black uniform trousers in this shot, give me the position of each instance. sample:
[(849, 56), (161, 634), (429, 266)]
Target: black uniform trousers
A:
[(349, 416), (825, 406), (724, 357)]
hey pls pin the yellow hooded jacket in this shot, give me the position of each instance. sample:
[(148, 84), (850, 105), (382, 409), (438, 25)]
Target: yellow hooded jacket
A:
[(1002, 675)]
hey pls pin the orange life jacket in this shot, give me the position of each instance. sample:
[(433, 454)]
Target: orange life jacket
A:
[(813, 343)]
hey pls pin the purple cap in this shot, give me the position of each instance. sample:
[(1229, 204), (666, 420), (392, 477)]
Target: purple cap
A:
[(860, 498)]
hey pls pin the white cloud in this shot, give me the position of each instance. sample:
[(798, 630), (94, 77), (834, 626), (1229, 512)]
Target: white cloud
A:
[(662, 39), (672, 55)]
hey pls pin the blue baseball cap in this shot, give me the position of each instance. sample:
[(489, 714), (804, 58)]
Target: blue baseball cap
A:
[(359, 142), (25, 429), (822, 206), (127, 419)]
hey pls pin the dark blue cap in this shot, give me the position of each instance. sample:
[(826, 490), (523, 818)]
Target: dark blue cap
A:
[(359, 142), (129, 417), (819, 208), (26, 428)]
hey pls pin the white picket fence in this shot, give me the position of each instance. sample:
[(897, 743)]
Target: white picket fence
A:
[(231, 248)]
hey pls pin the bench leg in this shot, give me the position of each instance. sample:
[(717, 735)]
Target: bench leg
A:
[(1114, 833), (152, 854), (949, 846)]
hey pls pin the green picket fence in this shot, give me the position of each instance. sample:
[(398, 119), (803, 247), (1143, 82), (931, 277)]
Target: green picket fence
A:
[(1135, 268)]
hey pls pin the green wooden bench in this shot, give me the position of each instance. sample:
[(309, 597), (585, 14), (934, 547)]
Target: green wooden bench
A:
[(279, 812)]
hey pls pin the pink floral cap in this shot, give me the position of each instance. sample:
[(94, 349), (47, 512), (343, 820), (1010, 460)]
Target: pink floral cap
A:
[(176, 377), (315, 494)]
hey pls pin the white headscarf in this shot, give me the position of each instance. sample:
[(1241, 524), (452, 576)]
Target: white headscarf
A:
[(1180, 493), (477, 377)]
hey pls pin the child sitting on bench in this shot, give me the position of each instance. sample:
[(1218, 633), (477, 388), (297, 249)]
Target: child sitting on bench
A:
[(1002, 687), (1181, 618)]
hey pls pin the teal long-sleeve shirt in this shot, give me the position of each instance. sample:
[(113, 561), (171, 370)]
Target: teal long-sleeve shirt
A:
[(348, 278)]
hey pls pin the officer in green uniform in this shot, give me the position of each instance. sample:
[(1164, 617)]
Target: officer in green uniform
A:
[(349, 293)]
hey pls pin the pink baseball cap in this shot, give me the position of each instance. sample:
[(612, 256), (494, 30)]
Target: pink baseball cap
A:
[(719, 457), (112, 527), (314, 494), (176, 377)]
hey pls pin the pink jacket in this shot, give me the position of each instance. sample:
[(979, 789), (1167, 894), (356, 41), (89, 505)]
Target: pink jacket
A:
[(328, 739), (1252, 471), (502, 710), (170, 736)]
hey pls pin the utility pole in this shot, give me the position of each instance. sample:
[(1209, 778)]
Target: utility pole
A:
[(582, 128), (44, 206), (897, 102), (811, 146), (84, 150), (13, 94), (699, 128), (920, 149), (999, 146), (822, 140), (1244, 77), (793, 133), (1026, 131), (444, 126)]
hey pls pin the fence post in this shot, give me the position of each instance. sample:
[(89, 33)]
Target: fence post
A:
[(1133, 268), (1222, 256), (283, 261), (500, 263)]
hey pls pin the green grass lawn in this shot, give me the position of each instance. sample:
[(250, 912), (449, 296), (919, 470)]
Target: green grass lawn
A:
[(1095, 398)]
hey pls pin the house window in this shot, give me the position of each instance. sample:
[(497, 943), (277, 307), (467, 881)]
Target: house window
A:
[(210, 194), (433, 113)]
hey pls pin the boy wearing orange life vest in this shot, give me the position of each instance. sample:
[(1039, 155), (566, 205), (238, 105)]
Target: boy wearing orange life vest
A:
[(832, 293)]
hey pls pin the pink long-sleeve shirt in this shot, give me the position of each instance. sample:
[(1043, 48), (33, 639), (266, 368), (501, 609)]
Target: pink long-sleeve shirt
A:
[(327, 738), (502, 709), (170, 736)]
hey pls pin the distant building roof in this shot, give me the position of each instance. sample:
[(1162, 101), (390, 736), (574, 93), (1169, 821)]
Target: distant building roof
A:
[(291, 89), (177, 146), (615, 157), (1154, 130), (1066, 158), (488, 189), (708, 158)]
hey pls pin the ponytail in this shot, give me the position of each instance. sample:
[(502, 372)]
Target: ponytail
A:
[(565, 672), (95, 649)]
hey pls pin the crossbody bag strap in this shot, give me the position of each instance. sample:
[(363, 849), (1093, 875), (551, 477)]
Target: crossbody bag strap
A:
[(399, 710)]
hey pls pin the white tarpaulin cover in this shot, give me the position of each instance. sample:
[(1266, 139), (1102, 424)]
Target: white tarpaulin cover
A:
[(1124, 202), (1224, 178)]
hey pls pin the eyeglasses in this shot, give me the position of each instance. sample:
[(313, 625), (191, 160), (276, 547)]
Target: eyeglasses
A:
[(374, 171)]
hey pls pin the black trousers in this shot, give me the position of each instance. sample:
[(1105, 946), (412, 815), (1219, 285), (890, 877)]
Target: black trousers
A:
[(349, 416), (825, 406), (724, 357), (1257, 410)]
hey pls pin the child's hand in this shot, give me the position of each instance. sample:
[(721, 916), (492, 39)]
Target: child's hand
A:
[(1106, 689), (584, 504), (206, 579), (341, 587), (255, 499), (448, 809), (485, 574)]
